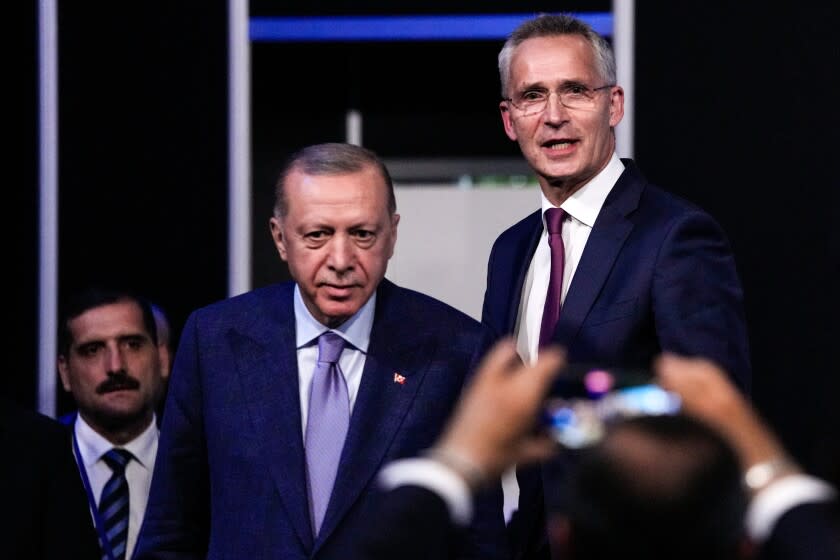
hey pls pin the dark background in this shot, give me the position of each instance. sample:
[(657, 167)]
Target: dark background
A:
[(735, 109)]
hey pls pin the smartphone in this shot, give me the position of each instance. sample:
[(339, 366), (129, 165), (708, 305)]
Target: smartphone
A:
[(591, 381), (589, 398)]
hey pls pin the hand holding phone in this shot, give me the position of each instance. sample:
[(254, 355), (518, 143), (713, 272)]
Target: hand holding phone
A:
[(587, 399)]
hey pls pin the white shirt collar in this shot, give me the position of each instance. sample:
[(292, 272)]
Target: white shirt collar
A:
[(93, 446), (585, 203), (355, 330)]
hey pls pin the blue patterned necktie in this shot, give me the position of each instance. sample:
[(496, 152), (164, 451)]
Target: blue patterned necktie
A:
[(113, 505), (326, 425), (551, 311)]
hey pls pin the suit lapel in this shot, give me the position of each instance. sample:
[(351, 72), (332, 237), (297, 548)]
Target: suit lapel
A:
[(523, 252), (381, 405), (267, 363), (603, 246)]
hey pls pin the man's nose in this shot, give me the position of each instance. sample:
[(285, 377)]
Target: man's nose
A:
[(554, 110), (114, 359), (341, 252)]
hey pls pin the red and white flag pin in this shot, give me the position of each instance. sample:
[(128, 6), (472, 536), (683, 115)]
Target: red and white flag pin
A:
[(399, 378)]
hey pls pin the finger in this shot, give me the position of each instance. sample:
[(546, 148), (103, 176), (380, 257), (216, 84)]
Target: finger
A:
[(672, 371), (500, 359), (539, 377), (537, 448)]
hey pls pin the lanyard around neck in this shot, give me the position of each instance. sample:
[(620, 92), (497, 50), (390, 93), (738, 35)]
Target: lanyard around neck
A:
[(98, 522)]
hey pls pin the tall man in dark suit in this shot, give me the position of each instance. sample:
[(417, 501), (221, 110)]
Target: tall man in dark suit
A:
[(628, 270), (247, 468)]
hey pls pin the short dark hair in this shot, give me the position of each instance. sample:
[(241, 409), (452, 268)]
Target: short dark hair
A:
[(657, 487), (331, 158), (97, 296)]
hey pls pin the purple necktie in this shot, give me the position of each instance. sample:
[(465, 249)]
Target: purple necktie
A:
[(551, 311), (326, 425)]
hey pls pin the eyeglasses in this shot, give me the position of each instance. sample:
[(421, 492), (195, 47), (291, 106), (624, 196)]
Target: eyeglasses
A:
[(573, 96)]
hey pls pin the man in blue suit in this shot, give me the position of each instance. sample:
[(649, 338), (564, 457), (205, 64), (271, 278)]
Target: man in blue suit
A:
[(244, 459), (632, 270)]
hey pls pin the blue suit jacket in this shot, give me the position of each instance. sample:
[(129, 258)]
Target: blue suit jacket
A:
[(657, 273), (229, 480)]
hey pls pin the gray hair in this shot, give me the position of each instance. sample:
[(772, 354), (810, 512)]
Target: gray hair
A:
[(332, 158), (551, 25)]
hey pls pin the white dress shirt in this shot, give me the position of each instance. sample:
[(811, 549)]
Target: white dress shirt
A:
[(581, 208), (779, 497), (436, 477), (764, 511), (138, 471), (355, 331)]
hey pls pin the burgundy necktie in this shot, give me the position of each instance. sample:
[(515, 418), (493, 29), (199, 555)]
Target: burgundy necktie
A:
[(551, 311), (326, 425)]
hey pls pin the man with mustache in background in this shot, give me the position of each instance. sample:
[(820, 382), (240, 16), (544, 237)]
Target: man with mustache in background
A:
[(110, 360)]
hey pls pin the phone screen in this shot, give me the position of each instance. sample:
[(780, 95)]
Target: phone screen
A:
[(590, 398)]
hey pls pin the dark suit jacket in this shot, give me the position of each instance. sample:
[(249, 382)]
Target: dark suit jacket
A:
[(806, 532), (657, 273), (229, 480), (46, 510), (409, 523), (412, 523)]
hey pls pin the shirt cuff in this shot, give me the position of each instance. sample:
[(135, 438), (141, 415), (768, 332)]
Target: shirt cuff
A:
[(780, 496), (436, 477)]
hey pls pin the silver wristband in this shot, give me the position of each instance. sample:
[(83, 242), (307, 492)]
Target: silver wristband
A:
[(761, 474)]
